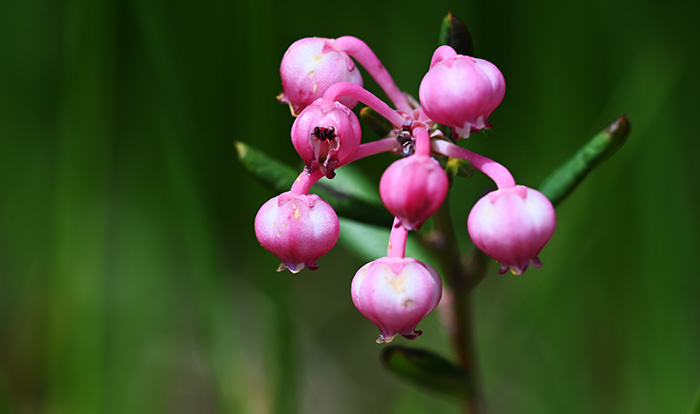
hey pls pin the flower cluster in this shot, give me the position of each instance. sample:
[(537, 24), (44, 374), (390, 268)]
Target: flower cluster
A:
[(322, 83)]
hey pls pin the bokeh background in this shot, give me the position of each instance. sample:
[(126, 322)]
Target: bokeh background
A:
[(130, 277)]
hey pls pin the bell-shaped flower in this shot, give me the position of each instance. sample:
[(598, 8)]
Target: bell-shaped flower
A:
[(512, 225), (461, 91), (309, 67), (396, 294), (297, 228), (413, 188), (326, 135)]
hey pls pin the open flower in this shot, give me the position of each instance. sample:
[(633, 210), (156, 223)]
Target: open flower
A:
[(326, 135)]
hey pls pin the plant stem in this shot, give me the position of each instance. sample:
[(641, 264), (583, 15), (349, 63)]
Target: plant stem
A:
[(460, 276)]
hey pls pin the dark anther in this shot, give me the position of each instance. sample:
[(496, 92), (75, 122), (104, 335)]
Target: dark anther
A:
[(405, 138), (407, 148), (324, 134)]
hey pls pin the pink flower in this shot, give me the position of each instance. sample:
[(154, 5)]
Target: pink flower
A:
[(413, 188), (512, 225), (461, 91), (326, 135), (396, 294), (309, 67), (297, 228)]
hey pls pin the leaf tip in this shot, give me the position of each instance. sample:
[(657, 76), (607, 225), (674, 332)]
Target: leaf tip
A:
[(455, 33), (241, 148), (616, 133), (619, 127)]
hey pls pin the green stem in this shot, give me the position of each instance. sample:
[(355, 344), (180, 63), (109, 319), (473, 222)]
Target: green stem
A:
[(460, 277)]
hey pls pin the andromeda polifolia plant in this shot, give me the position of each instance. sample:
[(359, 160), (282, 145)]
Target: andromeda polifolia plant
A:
[(322, 84)]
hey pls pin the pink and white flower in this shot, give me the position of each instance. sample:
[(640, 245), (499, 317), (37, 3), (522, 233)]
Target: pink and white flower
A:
[(395, 294), (326, 135), (512, 225), (309, 67), (297, 228), (461, 91), (413, 188)]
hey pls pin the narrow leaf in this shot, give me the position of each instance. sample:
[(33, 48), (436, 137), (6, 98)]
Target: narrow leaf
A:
[(455, 33), (427, 369), (279, 177), (272, 173), (560, 183)]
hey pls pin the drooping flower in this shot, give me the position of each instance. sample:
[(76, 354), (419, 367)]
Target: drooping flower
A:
[(395, 294), (461, 91), (413, 188), (309, 67), (326, 135), (512, 225), (297, 228)]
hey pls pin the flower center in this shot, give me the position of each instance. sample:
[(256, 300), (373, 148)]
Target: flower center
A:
[(325, 144)]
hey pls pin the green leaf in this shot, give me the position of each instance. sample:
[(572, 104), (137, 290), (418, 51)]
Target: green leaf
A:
[(560, 183), (377, 123), (345, 195), (272, 173), (427, 369), (455, 33)]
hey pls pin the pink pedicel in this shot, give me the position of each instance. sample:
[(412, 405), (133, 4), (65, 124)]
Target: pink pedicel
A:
[(461, 91), (413, 188), (309, 67), (297, 228), (395, 294), (512, 225), (326, 135)]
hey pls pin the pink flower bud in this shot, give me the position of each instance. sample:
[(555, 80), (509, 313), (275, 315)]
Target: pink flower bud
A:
[(413, 188), (297, 228), (309, 67), (461, 91), (326, 135), (512, 225), (395, 294)]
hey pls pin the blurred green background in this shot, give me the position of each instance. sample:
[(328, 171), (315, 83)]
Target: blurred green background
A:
[(130, 277)]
